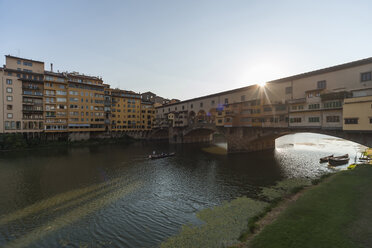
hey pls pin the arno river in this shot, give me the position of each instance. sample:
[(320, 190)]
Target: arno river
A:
[(113, 196)]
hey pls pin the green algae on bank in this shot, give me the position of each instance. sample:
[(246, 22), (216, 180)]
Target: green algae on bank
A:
[(284, 187), (223, 225)]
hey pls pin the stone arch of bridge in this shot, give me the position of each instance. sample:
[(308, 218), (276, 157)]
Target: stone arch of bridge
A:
[(159, 134), (256, 139)]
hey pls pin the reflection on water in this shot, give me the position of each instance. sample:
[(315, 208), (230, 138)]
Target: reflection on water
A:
[(298, 154), (112, 195)]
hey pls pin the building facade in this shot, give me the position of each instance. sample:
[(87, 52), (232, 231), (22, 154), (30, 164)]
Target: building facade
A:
[(314, 99), (37, 101)]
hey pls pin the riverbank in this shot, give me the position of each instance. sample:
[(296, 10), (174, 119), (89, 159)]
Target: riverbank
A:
[(227, 224), (332, 211), (16, 142), (335, 213)]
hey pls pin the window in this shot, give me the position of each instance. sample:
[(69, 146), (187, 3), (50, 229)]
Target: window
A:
[(322, 84), (242, 98), (191, 105), (7, 125), (336, 104), (294, 107), (60, 99), (310, 95), (351, 120), (9, 90), (10, 116), (18, 62), (365, 76), (27, 63), (9, 82), (226, 100), (60, 92), (314, 119), (281, 108), (295, 120), (288, 90), (183, 107), (201, 104), (212, 102), (370, 120), (9, 107), (314, 106), (9, 98), (333, 119)]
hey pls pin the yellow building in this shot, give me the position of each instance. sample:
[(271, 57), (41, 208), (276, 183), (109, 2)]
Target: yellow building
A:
[(55, 102), (357, 111), (85, 103), (125, 110), (147, 115)]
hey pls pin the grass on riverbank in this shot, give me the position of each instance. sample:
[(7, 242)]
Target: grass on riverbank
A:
[(222, 225), (336, 213), (232, 222)]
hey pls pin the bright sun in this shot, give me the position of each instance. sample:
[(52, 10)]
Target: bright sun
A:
[(262, 84)]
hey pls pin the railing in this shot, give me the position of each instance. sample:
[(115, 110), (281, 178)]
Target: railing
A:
[(300, 100), (32, 110), (30, 93), (32, 87)]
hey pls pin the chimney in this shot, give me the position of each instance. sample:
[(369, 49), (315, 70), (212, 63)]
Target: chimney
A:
[(51, 67)]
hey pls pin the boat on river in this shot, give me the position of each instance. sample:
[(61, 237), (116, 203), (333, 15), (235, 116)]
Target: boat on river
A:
[(339, 160), (325, 159), (162, 155)]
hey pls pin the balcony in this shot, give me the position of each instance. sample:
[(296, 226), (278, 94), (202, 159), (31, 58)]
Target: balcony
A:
[(32, 118), (31, 87), (335, 95), (28, 103), (32, 94), (32, 110), (299, 100)]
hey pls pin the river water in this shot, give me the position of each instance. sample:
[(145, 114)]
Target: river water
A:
[(113, 196)]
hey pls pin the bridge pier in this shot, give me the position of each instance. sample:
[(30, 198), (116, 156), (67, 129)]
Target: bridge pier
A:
[(243, 139), (182, 135)]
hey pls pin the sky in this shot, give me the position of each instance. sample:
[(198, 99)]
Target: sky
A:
[(186, 48)]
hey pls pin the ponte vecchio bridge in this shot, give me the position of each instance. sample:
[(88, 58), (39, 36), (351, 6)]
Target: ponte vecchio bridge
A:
[(336, 101)]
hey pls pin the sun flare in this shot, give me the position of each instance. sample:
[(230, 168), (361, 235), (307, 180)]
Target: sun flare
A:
[(262, 84)]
